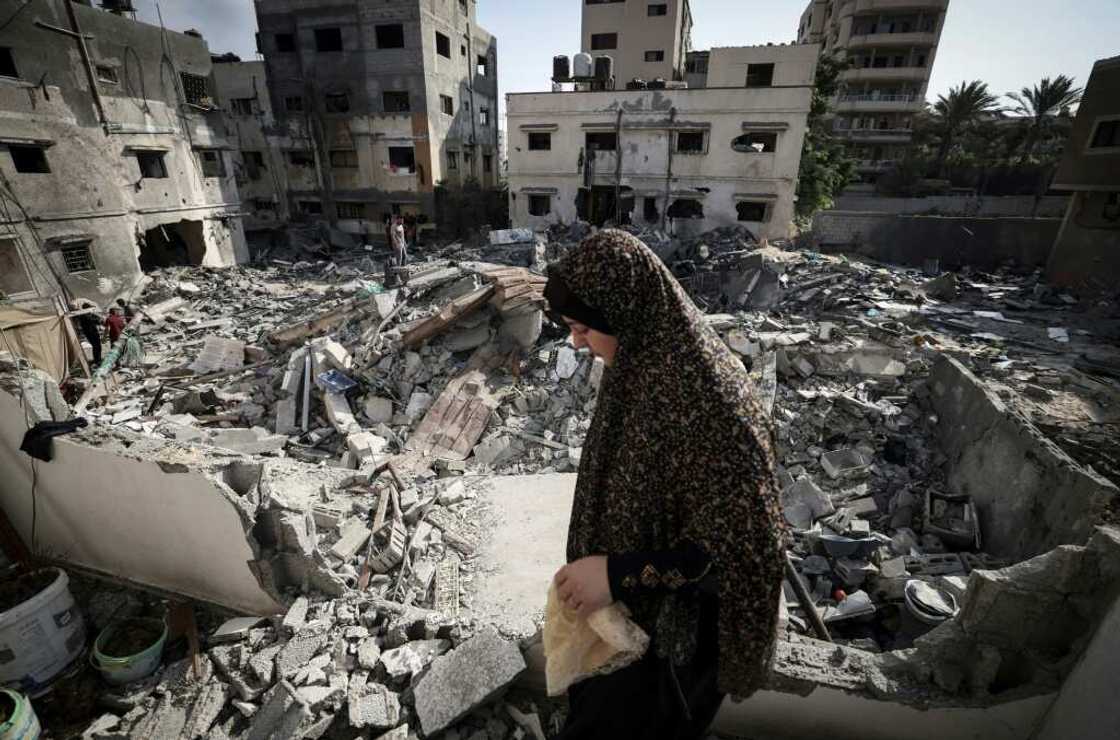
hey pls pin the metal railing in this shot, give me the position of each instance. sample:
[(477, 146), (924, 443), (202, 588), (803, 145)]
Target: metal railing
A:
[(872, 98)]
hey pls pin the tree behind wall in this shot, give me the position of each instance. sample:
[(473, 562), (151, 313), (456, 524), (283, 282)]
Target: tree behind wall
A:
[(957, 113), (826, 169)]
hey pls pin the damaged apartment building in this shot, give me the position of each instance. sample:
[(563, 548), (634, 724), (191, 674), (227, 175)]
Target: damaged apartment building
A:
[(113, 157), (376, 104), (635, 137)]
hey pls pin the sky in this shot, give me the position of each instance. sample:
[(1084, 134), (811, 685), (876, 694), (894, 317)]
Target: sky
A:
[(1006, 43)]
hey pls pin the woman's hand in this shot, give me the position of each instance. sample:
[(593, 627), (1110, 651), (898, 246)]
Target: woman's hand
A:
[(583, 586)]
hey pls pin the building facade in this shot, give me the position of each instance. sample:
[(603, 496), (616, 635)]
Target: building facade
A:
[(646, 40), (685, 160), (891, 46), (1086, 254), (113, 155), (378, 103)]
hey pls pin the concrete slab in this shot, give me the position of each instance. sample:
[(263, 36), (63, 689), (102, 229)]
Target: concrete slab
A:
[(526, 547)]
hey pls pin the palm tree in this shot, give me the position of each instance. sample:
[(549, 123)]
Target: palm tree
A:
[(959, 110), (1038, 107)]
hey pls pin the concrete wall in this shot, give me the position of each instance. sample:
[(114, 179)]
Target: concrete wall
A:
[(984, 243), (1031, 496), (794, 65), (1086, 255), (94, 189), (1050, 206), (157, 525), (1085, 167), (718, 178), (639, 32)]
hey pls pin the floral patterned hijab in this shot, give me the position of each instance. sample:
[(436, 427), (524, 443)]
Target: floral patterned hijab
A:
[(679, 451)]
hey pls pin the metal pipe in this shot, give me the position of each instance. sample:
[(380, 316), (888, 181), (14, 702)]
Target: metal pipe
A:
[(805, 600), (77, 28)]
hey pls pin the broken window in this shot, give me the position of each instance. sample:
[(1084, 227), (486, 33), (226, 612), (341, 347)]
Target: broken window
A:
[(402, 158), (649, 209), (310, 207), (601, 41), (7, 63), (336, 102), (254, 163), (487, 163), (107, 74), (1106, 136), (29, 159), (690, 142), (443, 45), (654, 9), (463, 7), (285, 42), (540, 205), (453, 161), (540, 141), (13, 273), (389, 36), (602, 141), (328, 39), (293, 103), (213, 164), (447, 105), (195, 90), (241, 106), (480, 65), (152, 165), (760, 75), (697, 65), (396, 101), (484, 116), (351, 209), (685, 208), (301, 158), (77, 257), (345, 158), (656, 55), (463, 50), (755, 142), (751, 211)]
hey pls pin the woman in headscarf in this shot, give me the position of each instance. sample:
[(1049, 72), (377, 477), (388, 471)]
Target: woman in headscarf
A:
[(676, 510)]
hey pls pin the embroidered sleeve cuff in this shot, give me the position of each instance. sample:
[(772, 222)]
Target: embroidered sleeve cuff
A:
[(668, 570)]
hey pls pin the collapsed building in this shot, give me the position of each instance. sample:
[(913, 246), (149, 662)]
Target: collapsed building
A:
[(721, 148), (115, 158)]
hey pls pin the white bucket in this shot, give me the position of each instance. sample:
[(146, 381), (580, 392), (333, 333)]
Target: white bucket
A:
[(41, 637)]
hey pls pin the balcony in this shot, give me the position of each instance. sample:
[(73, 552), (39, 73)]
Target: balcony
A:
[(854, 7), (874, 165), (914, 38), (885, 74), (875, 135), (878, 103)]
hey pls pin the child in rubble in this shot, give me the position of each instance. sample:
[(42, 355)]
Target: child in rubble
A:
[(676, 508)]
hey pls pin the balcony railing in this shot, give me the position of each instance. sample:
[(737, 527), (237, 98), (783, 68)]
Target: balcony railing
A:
[(869, 98)]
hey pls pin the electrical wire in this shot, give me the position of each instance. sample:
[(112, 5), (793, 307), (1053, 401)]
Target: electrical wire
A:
[(12, 17)]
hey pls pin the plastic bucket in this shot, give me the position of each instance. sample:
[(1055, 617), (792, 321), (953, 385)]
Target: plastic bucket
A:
[(918, 619), (124, 669), (22, 722), (41, 637)]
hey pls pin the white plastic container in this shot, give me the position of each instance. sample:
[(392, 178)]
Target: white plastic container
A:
[(41, 637), (22, 722)]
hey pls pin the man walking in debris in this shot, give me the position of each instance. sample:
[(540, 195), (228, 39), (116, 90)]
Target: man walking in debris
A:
[(400, 242), (90, 326), (676, 507), (114, 325)]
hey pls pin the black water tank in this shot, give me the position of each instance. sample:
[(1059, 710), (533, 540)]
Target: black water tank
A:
[(604, 67), (561, 68), (657, 83)]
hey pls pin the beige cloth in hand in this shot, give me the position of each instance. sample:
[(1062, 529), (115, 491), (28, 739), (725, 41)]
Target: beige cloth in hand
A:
[(576, 648)]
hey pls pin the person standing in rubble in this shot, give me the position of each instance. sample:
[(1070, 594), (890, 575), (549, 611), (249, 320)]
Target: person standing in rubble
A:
[(90, 325), (400, 242), (114, 325), (676, 508)]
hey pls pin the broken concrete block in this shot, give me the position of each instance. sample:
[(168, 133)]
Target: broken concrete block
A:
[(339, 414), (370, 704), (337, 355), (453, 494), (317, 696), (461, 680), (234, 629), (844, 463), (355, 534), (255, 441), (411, 659), (280, 716), (467, 338), (522, 330), (366, 446), (877, 366), (209, 704), (418, 404), (369, 653), (296, 616), (166, 722), (400, 733), (494, 451), (741, 344), (218, 354), (300, 649), (803, 503), (567, 362), (378, 410), (286, 416)]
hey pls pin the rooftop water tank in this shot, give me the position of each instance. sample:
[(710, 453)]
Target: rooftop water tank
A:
[(604, 67), (561, 68), (581, 64)]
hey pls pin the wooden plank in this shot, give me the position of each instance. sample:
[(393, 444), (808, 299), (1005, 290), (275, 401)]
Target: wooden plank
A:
[(321, 323), (75, 343), (448, 316)]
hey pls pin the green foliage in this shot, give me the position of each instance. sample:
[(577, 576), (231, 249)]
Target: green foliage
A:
[(1044, 110), (958, 113), (826, 168)]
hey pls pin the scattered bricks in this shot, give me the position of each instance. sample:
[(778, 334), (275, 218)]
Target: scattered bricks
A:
[(371, 705), (446, 599), (339, 414), (209, 704), (369, 653), (383, 559), (327, 516), (296, 616), (410, 659), (463, 679), (355, 534), (300, 649), (280, 716), (365, 447)]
